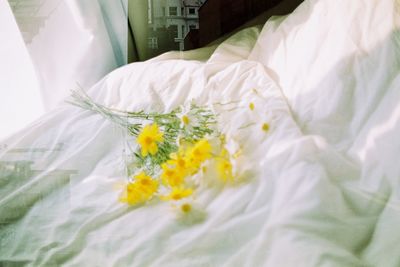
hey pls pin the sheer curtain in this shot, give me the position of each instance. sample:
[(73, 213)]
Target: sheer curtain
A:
[(20, 98), (57, 46), (80, 42)]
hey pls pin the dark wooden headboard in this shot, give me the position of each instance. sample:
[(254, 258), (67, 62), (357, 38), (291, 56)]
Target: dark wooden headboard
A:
[(219, 17)]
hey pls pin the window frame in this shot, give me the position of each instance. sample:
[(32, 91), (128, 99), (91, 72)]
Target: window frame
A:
[(175, 13), (191, 9)]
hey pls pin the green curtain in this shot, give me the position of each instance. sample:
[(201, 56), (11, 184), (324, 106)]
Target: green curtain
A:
[(137, 30)]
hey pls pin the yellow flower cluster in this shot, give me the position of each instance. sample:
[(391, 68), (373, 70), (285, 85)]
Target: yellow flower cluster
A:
[(182, 164), (175, 153), (185, 162), (140, 190), (175, 172)]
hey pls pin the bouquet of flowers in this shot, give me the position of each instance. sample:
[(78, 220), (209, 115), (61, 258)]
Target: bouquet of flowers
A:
[(172, 153)]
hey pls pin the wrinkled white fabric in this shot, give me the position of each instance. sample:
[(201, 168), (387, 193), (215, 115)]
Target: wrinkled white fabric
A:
[(337, 63), (309, 199)]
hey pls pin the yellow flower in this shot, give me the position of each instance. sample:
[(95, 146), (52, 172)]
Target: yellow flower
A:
[(178, 159), (140, 190), (148, 139), (224, 166), (265, 127), (200, 152), (146, 183), (178, 193), (172, 175), (182, 161)]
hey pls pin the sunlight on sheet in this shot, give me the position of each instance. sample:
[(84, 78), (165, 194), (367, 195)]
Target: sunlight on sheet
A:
[(378, 131)]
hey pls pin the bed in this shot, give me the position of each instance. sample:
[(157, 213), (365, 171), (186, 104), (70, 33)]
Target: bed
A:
[(322, 185)]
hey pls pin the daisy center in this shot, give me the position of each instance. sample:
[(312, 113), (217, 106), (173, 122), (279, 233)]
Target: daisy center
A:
[(186, 208), (169, 173), (185, 119), (196, 152), (181, 163), (145, 182), (265, 127), (148, 140)]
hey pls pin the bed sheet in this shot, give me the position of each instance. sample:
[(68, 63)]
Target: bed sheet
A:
[(303, 202), (337, 64)]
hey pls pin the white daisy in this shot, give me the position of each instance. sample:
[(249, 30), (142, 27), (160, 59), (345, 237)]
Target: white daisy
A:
[(189, 212)]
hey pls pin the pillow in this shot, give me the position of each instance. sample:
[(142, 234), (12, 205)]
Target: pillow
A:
[(237, 47)]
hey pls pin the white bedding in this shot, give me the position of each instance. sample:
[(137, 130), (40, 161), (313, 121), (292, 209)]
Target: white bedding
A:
[(323, 182)]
